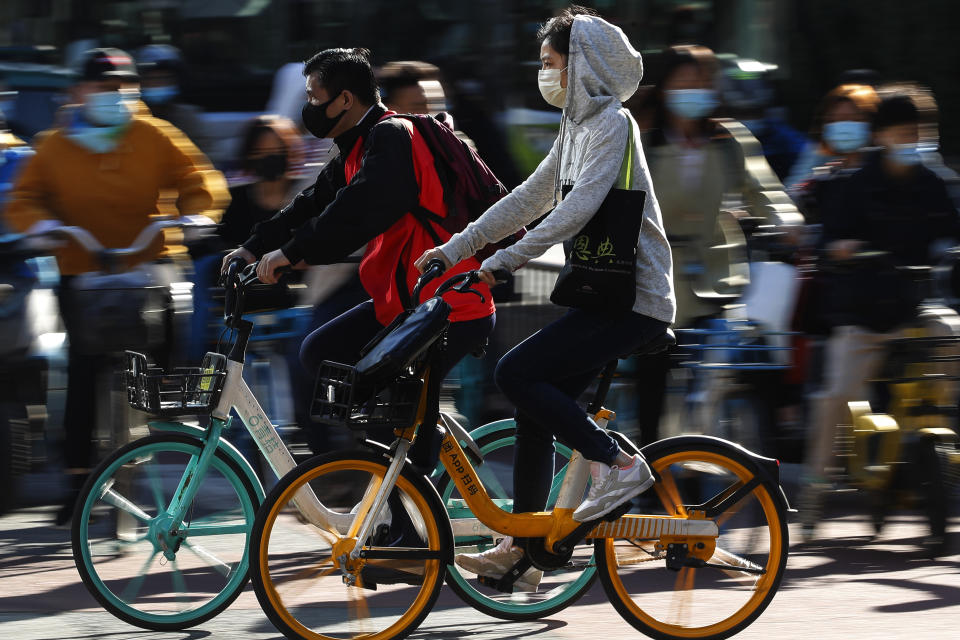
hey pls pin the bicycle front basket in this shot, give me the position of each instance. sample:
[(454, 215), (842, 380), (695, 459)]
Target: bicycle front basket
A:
[(341, 398), (185, 391)]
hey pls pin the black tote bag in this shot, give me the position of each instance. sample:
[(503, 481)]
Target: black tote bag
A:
[(601, 259)]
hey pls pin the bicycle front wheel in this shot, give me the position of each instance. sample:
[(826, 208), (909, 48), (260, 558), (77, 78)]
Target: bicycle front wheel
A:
[(122, 542), (751, 551), (301, 573), (558, 589)]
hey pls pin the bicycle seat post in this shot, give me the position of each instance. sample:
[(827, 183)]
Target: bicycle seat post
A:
[(606, 378)]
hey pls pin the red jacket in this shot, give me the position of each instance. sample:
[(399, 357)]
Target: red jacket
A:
[(365, 197)]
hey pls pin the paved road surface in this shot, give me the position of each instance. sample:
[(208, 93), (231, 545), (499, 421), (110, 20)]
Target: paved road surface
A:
[(847, 587)]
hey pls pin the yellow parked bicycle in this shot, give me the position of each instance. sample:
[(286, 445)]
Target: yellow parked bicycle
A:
[(702, 560)]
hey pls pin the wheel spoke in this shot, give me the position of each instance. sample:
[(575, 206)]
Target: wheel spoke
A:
[(682, 592), (737, 561), (211, 559), (132, 590), (156, 486), (359, 609), (179, 584), (305, 576), (111, 497), (669, 495), (193, 530), (365, 504)]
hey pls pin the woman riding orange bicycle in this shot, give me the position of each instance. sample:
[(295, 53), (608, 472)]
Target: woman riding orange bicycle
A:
[(589, 68)]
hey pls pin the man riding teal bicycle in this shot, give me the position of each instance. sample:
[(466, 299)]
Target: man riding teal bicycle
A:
[(365, 196)]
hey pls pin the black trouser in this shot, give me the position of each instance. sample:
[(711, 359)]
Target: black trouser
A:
[(545, 374), (80, 412), (341, 340), (347, 296)]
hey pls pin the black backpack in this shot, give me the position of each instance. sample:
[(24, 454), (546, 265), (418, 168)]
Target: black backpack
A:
[(469, 186)]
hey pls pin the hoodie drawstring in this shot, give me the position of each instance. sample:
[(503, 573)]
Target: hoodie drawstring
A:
[(556, 177)]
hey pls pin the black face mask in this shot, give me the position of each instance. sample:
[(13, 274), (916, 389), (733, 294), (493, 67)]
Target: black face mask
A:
[(270, 167), (315, 118)]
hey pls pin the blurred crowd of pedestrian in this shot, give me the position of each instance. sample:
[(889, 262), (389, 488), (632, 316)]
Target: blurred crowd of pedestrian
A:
[(865, 177)]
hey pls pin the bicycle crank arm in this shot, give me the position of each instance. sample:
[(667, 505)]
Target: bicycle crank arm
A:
[(700, 564)]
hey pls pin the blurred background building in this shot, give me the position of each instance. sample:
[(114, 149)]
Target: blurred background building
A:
[(233, 48)]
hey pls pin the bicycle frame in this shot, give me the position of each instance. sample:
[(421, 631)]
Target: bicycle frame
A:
[(555, 525)]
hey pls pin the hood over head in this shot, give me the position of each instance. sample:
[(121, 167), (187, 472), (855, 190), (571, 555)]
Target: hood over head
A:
[(603, 67)]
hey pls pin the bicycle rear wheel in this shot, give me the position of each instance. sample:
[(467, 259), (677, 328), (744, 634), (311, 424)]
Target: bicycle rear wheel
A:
[(119, 534), (702, 602), (297, 571), (558, 589)]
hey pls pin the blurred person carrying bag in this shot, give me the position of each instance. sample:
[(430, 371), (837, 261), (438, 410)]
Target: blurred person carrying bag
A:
[(600, 269), (121, 311)]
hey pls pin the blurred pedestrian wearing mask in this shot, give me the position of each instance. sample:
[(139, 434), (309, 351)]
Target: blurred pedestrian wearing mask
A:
[(929, 145), (701, 166), (894, 205), (103, 170), (841, 131), (270, 157), (160, 67)]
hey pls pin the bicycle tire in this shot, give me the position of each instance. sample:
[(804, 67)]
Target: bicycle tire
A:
[(634, 573), (154, 454), (516, 607), (8, 480), (299, 584), (934, 490)]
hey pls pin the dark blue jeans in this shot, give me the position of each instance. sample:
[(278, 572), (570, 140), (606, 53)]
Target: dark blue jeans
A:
[(544, 376)]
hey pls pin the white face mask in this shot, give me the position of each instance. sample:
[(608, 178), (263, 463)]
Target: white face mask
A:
[(110, 107), (550, 89)]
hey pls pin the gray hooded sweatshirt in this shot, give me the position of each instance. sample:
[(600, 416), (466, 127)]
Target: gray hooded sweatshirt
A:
[(603, 70)]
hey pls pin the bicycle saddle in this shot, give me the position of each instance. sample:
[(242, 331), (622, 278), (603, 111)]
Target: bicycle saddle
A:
[(658, 345)]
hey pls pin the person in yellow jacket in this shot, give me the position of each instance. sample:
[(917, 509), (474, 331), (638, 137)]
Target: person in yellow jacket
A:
[(104, 168)]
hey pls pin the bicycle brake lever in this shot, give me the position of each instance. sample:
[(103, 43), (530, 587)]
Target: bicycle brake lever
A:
[(467, 284)]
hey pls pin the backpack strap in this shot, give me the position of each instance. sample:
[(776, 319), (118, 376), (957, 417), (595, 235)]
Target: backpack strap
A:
[(421, 214)]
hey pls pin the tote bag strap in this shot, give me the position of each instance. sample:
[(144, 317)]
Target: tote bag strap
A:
[(625, 178)]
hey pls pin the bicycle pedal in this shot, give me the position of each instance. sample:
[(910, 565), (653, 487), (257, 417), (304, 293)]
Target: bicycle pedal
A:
[(495, 583), (619, 512)]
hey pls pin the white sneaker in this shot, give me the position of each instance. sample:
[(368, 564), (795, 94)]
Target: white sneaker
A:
[(496, 562), (612, 486)]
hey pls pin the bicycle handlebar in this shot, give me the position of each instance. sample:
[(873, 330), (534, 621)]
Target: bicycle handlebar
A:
[(238, 276), (90, 243), (461, 282)]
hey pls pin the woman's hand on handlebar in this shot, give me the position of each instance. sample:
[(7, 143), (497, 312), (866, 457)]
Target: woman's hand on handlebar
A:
[(241, 254), (269, 263), (487, 277), (431, 254)]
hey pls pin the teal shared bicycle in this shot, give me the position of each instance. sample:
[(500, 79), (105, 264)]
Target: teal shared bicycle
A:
[(162, 527)]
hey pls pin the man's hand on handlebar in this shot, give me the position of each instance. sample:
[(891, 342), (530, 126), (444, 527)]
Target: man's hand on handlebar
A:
[(269, 263), (431, 254), (240, 253)]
